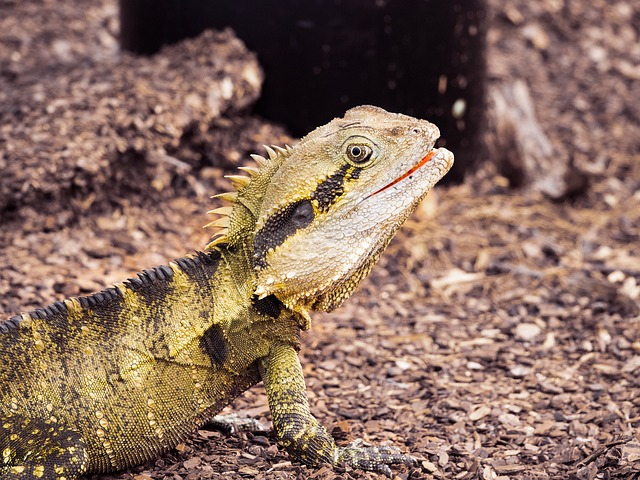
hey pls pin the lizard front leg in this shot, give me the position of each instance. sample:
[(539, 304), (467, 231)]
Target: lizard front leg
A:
[(298, 430)]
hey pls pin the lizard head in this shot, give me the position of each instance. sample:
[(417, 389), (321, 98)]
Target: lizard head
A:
[(334, 201)]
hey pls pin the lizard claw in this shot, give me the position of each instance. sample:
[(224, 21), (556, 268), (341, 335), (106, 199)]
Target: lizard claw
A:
[(373, 459)]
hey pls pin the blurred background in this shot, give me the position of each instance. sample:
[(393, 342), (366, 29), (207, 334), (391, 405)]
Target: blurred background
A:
[(499, 336)]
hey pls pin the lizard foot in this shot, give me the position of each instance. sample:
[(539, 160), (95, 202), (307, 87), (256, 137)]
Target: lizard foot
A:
[(374, 459)]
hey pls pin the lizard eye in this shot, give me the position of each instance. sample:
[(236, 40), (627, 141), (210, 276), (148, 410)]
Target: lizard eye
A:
[(359, 153)]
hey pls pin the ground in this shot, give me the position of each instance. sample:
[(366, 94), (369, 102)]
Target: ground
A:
[(499, 336)]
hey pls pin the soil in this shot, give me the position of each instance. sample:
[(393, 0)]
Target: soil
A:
[(499, 337)]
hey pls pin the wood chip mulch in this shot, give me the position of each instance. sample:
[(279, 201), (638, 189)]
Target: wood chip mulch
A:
[(499, 338)]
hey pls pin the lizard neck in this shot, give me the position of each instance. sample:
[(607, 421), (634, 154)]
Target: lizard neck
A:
[(239, 228), (236, 245)]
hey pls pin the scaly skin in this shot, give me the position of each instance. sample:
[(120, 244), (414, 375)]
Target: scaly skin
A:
[(100, 383)]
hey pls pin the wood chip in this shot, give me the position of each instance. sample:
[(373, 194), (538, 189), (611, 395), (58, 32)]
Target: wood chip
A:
[(479, 413)]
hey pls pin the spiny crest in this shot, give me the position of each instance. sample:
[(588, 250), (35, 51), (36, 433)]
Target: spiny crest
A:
[(240, 182)]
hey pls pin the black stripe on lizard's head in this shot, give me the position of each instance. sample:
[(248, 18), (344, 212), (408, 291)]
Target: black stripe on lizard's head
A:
[(299, 214), (330, 189), (279, 226)]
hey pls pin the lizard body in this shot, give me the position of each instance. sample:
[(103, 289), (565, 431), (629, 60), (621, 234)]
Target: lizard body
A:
[(100, 383)]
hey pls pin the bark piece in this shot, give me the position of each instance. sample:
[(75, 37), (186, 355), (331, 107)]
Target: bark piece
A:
[(523, 152)]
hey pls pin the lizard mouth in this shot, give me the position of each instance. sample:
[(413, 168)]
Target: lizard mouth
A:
[(408, 173)]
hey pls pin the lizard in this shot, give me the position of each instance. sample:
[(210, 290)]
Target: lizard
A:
[(103, 382)]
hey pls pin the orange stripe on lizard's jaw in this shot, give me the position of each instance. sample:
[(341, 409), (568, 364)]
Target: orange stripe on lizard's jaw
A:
[(426, 158)]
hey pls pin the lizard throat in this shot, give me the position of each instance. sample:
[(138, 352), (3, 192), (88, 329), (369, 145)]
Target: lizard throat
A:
[(425, 160)]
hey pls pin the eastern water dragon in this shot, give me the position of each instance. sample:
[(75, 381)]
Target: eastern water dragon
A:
[(111, 380)]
